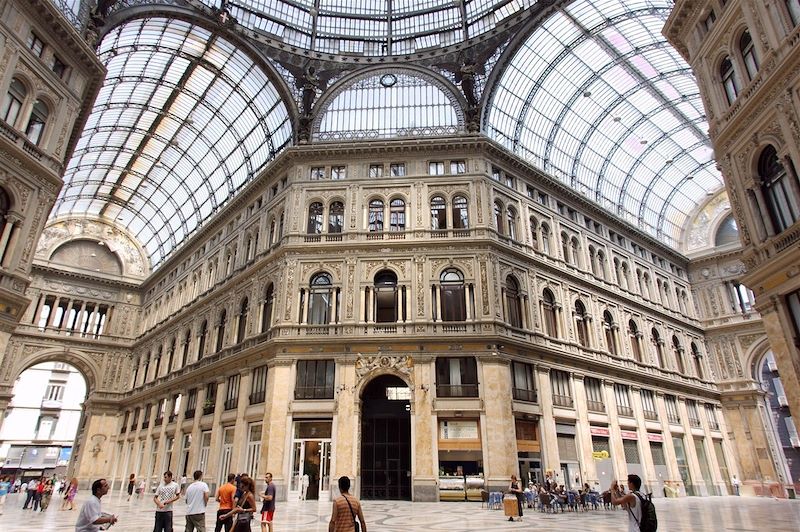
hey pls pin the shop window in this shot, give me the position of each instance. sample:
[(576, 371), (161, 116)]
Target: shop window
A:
[(315, 379), (456, 377)]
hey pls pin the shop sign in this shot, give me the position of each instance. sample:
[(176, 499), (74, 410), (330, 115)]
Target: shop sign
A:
[(599, 431), (654, 437), (628, 435), (600, 455), (458, 430)]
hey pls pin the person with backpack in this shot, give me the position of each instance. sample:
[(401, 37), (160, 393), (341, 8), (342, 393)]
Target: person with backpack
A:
[(641, 512)]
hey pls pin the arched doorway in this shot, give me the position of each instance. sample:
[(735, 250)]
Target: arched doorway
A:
[(42, 420), (386, 439)]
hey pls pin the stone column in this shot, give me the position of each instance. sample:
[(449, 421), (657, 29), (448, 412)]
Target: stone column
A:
[(547, 425), (196, 431), (177, 449), (780, 331), (424, 433), (583, 437), (614, 437), (215, 456), (276, 413), (669, 449), (650, 483), (500, 445), (691, 454), (96, 445), (241, 434)]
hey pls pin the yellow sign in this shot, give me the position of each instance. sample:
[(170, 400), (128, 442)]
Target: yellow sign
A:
[(600, 455)]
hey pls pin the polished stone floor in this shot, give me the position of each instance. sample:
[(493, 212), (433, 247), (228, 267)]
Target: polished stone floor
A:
[(690, 514)]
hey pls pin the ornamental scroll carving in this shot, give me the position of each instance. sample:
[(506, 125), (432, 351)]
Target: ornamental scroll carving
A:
[(368, 365)]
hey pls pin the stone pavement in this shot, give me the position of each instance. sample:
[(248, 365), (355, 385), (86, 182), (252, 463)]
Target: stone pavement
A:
[(693, 514)]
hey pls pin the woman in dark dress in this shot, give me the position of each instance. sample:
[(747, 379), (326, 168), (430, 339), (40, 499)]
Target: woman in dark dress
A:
[(516, 489), (131, 485)]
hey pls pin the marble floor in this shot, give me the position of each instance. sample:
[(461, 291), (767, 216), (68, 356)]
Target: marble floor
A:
[(690, 514)]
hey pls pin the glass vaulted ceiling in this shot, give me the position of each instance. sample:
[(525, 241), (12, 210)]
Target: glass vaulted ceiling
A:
[(183, 120), (596, 97), (371, 27)]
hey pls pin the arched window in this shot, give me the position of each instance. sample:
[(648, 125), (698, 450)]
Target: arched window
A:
[(397, 215), (545, 239), (697, 357), (454, 307), (677, 350), (320, 299), (727, 232), (187, 339), (5, 207), (658, 344), (241, 329), (575, 248), (315, 217), (794, 10), (728, 78), (223, 320), (513, 303), (534, 233), (13, 102), (281, 221), (748, 51), (375, 216), (386, 299), (581, 323), (498, 217), (37, 121), (511, 217), (781, 202), (611, 332), (601, 264), (272, 234), (635, 338), (549, 313), (438, 213), (201, 339), (266, 308), (336, 217), (460, 213)]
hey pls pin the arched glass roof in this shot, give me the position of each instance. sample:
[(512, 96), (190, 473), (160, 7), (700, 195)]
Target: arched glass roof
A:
[(183, 120), (371, 27), (597, 97), (387, 104)]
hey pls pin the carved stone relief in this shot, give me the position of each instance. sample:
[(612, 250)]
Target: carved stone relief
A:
[(369, 365)]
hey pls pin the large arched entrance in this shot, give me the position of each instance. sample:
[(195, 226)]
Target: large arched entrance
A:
[(386, 439)]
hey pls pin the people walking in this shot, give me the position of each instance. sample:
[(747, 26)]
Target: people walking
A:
[(30, 493), (142, 488), (5, 487), (167, 493), (37, 497), (91, 516), (345, 510), (47, 494), (131, 485), (268, 506), (225, 495), (242, 512), (69, 494), (196, 500)]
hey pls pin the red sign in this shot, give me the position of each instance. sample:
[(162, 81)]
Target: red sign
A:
[(654, 437), (628, 435), (598, 431)]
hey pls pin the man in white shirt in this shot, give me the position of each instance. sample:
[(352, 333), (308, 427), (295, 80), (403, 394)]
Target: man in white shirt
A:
[(167, 493), (196, 499), (91, 516)]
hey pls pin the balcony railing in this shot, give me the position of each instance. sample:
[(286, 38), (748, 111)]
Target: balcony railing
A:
[(563, 400), (145, 424), (172, 418), (674, 418), (189, 413), (624, 411), (651, 415), (158, 421), (457, 390), (258, 397), (522, 394), (230, 404), (313, 392), (208, 409), (694, 422), (596, 406)]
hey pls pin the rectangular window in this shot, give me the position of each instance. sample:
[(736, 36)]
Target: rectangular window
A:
[(456, 377), (375, 171), (711, 416), (35, 44), (694, 416), (259, 386), (594, 394), (524, 382), (54, 392), (530, 191), (657, 450), (543, 199), (708, 22), (458, 167), (317, 173), (567, 450), (253, 448), (435, 168), (232, 392), (496, 173), (794, 10), (338, 172), (649, 405), (672, 409), (397, 169), (623, 400), (58, 67), (211, 398), (508, 180), (315, 379), (176, 407), (560, 385), (793, 305), (191, 403)]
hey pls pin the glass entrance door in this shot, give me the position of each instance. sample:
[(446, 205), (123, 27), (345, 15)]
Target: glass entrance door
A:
[(311, 458)]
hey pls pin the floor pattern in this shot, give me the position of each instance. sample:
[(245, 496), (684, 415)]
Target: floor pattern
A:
[(718, 514)]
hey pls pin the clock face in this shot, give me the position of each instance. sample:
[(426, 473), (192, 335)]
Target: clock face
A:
[(387, 80)]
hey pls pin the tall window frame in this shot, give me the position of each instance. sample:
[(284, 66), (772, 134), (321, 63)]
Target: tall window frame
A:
[(781, 203)]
